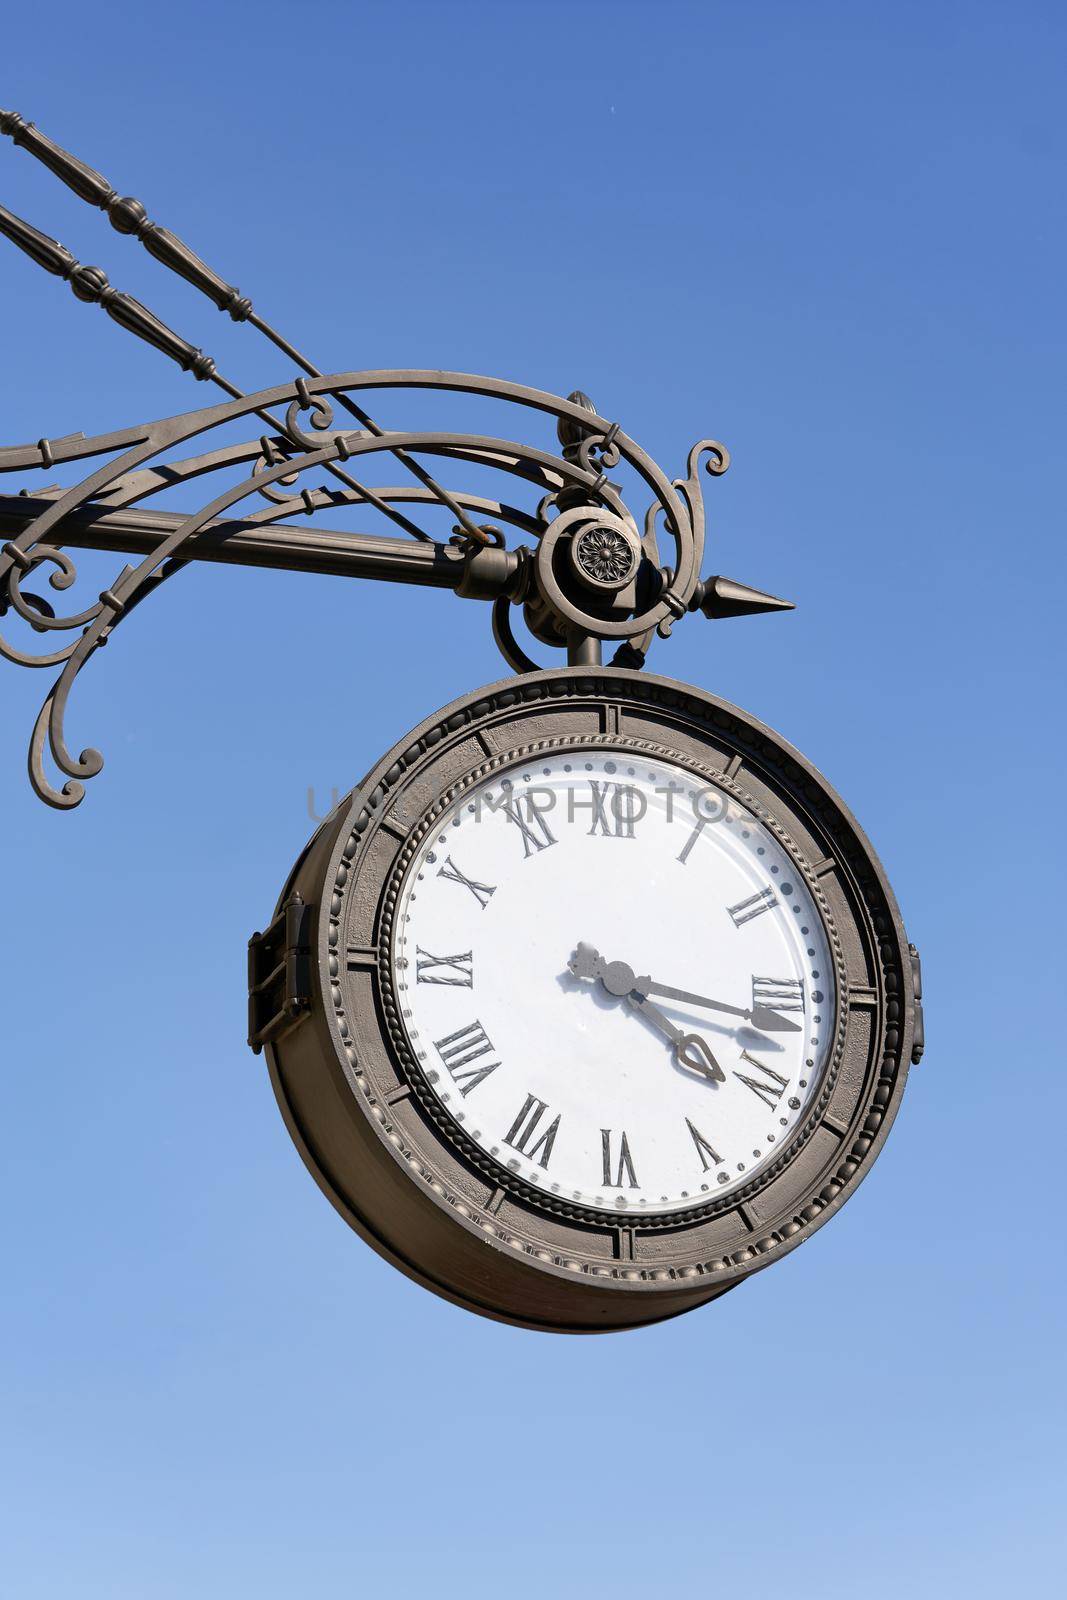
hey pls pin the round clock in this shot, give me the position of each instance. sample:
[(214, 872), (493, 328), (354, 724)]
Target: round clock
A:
[(589, 1001)]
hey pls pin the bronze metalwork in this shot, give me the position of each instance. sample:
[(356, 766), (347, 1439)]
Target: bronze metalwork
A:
[(590, 568)]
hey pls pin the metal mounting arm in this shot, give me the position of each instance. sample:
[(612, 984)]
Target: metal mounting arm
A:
[(587, 575), (588, 570), (282, 546)]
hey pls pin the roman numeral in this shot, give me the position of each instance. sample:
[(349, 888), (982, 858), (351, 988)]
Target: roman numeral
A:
[(456, 971), (704, 1149), (766, 1090), (536, 834), (625, 1163), (524, 1127), (745, 910), (778, 994), (613, 815), (457, 1051), (691, 841), (482, 892)]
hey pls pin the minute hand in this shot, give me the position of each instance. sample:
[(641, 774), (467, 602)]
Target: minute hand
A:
[(761, 1017)]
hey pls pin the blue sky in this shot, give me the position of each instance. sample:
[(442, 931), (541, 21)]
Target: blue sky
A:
[(831, 235)]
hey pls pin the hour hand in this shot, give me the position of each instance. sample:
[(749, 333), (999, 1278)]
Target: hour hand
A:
[(689, 1048), (619, 979)]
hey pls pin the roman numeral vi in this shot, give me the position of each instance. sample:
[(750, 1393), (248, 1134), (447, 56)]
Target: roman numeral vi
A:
[(625, 1162)]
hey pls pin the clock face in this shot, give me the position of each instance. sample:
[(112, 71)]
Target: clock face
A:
[(615, 980)]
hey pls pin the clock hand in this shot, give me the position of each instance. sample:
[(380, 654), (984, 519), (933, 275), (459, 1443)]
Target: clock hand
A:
[(761, 1017), (619, 980), (689, 1048)]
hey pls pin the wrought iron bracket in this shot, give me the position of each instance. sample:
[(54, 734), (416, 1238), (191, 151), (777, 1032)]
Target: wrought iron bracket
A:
[(584, 567)]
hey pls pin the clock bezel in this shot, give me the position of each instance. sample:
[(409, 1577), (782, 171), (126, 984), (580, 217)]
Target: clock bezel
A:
[(721, 1201)]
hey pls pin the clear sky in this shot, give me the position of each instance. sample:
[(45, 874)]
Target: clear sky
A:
[(831, 235)]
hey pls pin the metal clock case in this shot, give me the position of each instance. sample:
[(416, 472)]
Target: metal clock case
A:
[(386, 1120)]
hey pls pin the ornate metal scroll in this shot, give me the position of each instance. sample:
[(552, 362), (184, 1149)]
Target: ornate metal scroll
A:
[(590, 568)]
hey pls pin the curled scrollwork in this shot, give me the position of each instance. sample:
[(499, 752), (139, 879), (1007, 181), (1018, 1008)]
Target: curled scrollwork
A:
[(598, 452), (139, 464), (29, 606), (270, 456), (718, 458), (15, 567), (48, 731), (321, 417)]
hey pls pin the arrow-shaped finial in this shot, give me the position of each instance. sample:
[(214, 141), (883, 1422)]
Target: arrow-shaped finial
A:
[(725, 597)]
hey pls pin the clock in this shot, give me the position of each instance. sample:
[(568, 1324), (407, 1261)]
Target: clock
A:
[(589, 1001)]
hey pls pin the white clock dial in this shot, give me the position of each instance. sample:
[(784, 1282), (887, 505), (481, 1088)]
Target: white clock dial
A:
[(540, 924)]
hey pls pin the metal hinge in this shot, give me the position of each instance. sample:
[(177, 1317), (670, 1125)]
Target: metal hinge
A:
[(279, 973), (918, 1037)]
